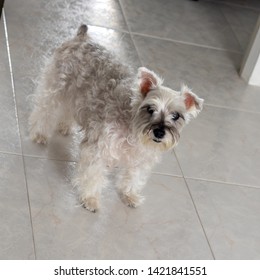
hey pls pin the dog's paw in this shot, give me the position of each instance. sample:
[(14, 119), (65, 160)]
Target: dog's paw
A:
[(132, 200), (64, 129), (91, 204), (39, 138)]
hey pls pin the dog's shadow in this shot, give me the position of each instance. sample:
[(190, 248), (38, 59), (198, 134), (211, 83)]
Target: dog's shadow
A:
[(64, 149)]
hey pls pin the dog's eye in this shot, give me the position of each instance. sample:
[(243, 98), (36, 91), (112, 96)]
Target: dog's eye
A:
[(175, 116), (150, 110)]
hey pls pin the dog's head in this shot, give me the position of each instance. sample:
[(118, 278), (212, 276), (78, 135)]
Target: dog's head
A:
[(161, 112)]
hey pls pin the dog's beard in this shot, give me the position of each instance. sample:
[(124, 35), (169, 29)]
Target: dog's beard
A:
[(169, 141)]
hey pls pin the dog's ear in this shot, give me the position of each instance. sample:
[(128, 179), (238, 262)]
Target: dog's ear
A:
[(148, 80), (192, 102)]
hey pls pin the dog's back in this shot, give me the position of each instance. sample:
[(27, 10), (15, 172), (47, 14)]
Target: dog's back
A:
[(88, 72), (85, 62)]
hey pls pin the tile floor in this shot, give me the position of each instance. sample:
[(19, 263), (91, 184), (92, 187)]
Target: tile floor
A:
[(203, 200)]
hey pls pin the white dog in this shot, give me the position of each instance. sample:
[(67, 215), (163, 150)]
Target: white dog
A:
[(128, 118)]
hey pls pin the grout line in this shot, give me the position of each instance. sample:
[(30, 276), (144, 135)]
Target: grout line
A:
[(231, 108), (187, 43), (232, 184), (107, 27), (46, 158), (36, 156), (11, 153), (130, 33), (196, 210), (18, 127), (223, 183), (167, 174)]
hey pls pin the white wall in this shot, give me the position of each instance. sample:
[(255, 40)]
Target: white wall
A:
[(250, 68)]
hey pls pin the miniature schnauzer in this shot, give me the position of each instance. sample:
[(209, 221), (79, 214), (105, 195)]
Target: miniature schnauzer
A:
[(128, 118)]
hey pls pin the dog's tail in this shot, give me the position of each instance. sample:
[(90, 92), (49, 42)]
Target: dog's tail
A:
[(82, 32)]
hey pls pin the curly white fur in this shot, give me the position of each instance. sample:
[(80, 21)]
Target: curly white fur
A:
[(128, 119)]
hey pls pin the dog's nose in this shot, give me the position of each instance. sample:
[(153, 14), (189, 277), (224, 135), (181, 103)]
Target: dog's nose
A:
[(159, 133)]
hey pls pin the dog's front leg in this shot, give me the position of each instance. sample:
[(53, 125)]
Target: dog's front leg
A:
[(130, 183), (91, 177)]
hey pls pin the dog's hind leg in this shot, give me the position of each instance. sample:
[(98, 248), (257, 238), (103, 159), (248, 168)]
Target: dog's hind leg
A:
[(44, 117), (65, 120)]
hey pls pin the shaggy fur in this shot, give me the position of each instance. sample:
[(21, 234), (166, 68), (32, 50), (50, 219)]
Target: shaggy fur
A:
[(128, 118)]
